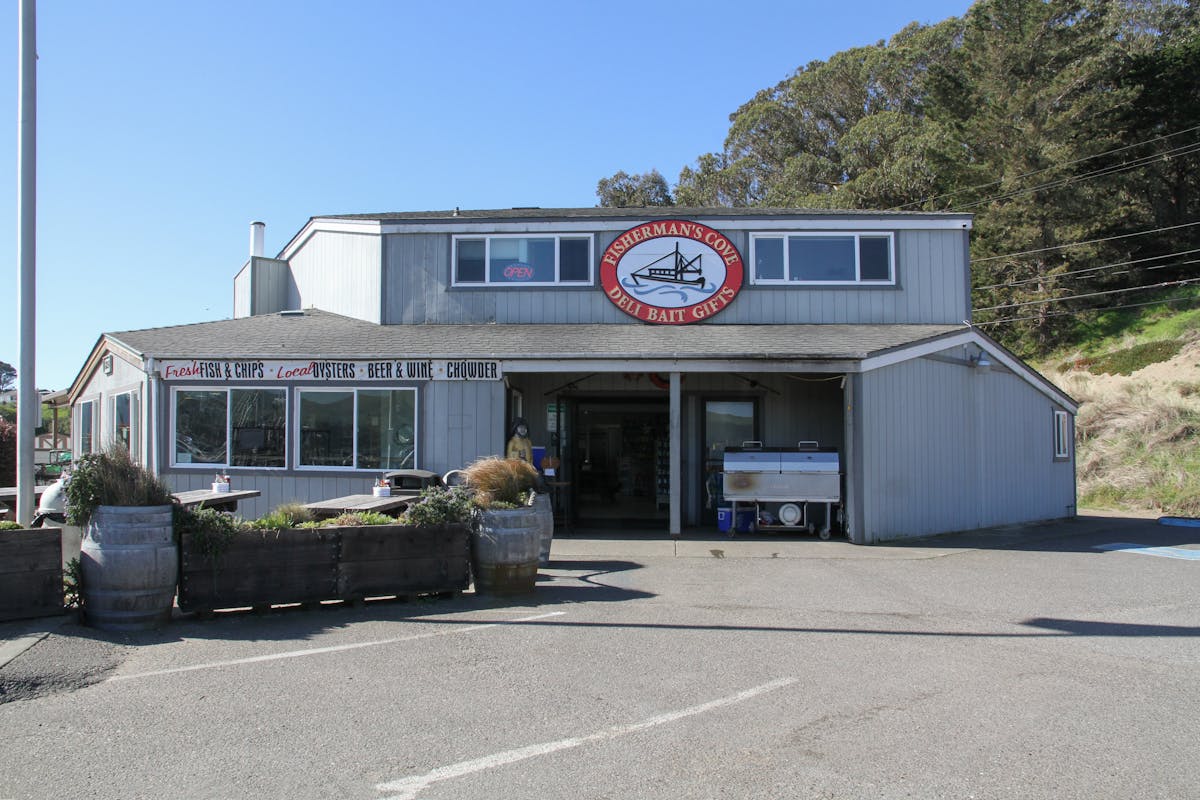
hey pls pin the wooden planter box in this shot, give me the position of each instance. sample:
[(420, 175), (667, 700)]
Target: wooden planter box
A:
[(308, 565), (382, 560), (31, 579)]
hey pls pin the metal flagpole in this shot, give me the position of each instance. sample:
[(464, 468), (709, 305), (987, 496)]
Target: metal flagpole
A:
[(29, 410)]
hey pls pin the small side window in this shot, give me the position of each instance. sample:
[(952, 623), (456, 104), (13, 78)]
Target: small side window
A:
[(1062, 436)]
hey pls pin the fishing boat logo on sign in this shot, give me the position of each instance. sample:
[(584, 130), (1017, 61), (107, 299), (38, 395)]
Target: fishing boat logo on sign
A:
[(671, 272)]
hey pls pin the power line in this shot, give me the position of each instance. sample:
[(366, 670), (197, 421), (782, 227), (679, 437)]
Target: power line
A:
[(1099, 173), (1044, 169), (1090, 308), (1056, 276), (1080, 244), (1163, 285)]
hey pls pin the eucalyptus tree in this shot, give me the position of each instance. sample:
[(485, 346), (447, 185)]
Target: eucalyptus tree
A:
[(623, 190)]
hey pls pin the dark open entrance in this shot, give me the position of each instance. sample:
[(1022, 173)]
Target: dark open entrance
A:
[(622, 462)]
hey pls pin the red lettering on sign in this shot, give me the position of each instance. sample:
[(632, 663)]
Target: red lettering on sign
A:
[(518, 272)]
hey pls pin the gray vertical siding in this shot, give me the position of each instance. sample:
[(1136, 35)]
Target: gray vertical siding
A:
[(338, 272), (931, 287), (270, 282), (946, 447), (261, 287), (461, 422)]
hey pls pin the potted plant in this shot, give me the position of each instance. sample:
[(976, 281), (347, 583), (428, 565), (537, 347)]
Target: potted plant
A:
[(507, 530), (128, 558)]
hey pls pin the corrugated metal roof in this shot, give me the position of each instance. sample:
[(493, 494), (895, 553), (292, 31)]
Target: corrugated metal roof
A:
[(320, 334)]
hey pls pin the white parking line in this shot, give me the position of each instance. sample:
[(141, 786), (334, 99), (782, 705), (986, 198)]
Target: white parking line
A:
[(409, 788), (334, 649)]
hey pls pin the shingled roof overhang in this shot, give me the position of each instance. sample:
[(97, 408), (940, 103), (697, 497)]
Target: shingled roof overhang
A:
[(602, 347), (317, 334)]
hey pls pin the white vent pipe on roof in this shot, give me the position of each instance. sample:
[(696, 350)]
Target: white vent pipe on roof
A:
[(258, 231)]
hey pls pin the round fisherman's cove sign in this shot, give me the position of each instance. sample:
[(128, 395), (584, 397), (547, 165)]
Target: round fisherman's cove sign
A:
[(671, 272)]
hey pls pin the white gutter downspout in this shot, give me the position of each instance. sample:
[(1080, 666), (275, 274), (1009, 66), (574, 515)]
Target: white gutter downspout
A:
[(150, 414)]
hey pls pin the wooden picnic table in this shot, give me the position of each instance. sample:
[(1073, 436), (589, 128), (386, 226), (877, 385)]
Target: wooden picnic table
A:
[(8, 498), (397, 501), (221, 501), (8, 494)]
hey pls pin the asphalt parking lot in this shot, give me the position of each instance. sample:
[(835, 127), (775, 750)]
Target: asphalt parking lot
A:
[(1055, 661)]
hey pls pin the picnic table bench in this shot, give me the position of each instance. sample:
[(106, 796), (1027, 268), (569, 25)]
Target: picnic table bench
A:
[(221, 501), (397, 501)]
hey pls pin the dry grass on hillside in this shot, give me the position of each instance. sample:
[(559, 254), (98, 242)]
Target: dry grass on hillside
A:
[(1138, 435)]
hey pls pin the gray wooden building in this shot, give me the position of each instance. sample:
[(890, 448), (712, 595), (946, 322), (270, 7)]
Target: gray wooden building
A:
[(637, 344)]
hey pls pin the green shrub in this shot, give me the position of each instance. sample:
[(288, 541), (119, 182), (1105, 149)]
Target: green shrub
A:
[(1131, 359), (111, 478), (360, 518), (288, 515), (210, 531), (439, 506), (8, 525), (73, 584)]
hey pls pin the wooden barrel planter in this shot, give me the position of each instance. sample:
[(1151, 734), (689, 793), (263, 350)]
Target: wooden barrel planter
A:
[(545, 511), (505, 544), (128, 562)]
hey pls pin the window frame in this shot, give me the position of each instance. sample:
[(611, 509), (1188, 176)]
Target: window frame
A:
[(77, 424), (857, 236), (1063, 435), (354, 436), (227, 464), (487, 281), (134, 446)]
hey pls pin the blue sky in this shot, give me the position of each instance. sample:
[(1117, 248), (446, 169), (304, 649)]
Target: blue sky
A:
[(165, 128)]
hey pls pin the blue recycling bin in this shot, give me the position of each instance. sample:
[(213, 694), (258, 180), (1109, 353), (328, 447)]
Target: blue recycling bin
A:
[(724, 519), (745, 520)]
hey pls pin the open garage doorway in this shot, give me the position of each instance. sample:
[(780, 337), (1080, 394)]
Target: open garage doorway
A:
[(622, 463)]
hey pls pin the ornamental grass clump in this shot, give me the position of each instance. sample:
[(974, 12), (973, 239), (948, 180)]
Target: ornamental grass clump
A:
[(288, 515), (501, 482), (111, 478)]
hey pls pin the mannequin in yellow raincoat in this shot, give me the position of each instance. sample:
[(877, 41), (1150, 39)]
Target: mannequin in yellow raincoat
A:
[(519, 445)]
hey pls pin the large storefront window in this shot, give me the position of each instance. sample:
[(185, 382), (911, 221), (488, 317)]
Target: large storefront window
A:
[(519, 260), (231, 427), (358, 429), (822, 258), (201, 421), (258, 427), (386, 437)]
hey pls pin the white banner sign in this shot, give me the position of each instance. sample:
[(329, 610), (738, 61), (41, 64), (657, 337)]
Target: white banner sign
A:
[(322, 371)]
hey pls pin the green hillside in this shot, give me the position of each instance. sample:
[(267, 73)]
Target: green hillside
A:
[(1138, 430)]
